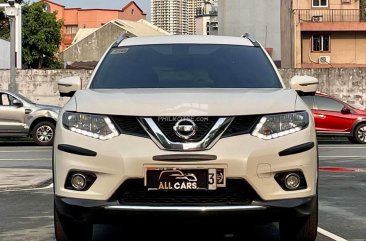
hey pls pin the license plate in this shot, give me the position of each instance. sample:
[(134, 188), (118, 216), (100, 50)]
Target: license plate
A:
[(170, 179)]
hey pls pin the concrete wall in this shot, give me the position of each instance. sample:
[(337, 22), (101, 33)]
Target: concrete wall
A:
[(261, 18), (93, 46), (41, 85)]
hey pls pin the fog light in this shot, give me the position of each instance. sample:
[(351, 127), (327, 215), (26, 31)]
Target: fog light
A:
[(292, 181), (78, 181)]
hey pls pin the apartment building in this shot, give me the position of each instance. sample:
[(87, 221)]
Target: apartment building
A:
[(207, 18), (78, 18), (261, 18), (326, 33), (175, 16)]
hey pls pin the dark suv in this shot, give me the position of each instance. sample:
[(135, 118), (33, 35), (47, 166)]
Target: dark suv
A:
[(333, 117)]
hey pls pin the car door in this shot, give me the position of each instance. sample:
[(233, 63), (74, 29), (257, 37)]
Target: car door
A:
[(328, 116), (11, 116)]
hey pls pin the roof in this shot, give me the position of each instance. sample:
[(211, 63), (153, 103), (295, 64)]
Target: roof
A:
[(129, 4), (187, 39), (135, 28), (83, 33), (53, 3), (139, 28)]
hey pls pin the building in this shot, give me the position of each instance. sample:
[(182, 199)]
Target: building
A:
[(77, 18), (90, 46), (176, 17), (5, 54), (327, 33), (206, 18), (261, 18)]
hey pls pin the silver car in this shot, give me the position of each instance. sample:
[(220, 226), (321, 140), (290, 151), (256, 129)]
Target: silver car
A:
[(20, 117)]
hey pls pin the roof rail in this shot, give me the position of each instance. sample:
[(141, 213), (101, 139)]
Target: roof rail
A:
[(251, 39), (119, 40)]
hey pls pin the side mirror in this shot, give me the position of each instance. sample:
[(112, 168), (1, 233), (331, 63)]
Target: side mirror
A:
[(68, 86), (345, 110), (17, 103), (304, 85)]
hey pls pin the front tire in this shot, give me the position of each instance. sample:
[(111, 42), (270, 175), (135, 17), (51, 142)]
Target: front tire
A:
[(68, 230), (44, 133), (300, 229)]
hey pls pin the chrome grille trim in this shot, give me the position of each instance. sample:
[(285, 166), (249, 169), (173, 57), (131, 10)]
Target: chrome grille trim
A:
[(160, 139)]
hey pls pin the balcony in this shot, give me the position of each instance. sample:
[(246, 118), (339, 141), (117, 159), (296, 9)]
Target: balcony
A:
[(331, 19)]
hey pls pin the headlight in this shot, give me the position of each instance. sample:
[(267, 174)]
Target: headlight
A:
[(95, 126), (274, 126)]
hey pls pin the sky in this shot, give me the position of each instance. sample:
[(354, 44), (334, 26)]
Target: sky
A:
[(113, 4)]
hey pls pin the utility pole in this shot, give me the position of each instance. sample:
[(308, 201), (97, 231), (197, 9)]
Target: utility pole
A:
[(12, 84), (13, 13)]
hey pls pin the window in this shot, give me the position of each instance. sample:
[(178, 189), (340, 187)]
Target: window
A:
[(320, 3), (320, 43), (185, 66), (133, 12), (324, 103), (71, 29), (309, 101), (5, 101)]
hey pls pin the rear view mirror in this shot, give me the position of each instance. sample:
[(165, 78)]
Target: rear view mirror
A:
[(68, 86), (346, 110), (304, 85), (17, 103)]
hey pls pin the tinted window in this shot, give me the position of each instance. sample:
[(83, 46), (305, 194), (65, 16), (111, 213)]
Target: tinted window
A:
[(309, 101), (324, 103), (186, 66)]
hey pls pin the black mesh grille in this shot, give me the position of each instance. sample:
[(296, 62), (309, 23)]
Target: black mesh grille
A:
[(237, 192), (241, 125), (204, 125), (129, 125)]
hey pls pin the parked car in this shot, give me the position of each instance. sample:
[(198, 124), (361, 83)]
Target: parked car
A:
[(170, 117), (21, 117), (334, 117)]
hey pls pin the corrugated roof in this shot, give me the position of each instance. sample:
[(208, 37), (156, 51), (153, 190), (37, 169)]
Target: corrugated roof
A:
[(139, 28)]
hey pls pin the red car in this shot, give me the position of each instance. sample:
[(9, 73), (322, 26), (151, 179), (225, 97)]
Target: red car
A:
[(333, 117)]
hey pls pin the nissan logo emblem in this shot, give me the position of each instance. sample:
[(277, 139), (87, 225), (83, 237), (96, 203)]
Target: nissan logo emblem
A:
[(185, 128)]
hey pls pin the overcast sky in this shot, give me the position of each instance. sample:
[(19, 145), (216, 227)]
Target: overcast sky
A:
[(114, 4)]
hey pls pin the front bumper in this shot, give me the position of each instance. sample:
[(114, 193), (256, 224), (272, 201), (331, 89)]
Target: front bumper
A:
[(91, 211)]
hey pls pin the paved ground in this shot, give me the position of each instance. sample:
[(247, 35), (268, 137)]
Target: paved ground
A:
[(28, 215)]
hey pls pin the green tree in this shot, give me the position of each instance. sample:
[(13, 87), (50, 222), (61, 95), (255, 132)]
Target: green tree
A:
[(4, 24), (363, 9), (41, 37)]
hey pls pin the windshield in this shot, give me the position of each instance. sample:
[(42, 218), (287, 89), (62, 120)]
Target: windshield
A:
[(186, 66)]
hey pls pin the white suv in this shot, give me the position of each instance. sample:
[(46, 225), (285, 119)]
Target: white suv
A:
[(185, 125)]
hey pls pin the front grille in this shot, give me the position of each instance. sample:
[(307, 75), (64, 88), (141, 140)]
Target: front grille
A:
[(241, 125), (129, 125), (204, 125), (237, 192)]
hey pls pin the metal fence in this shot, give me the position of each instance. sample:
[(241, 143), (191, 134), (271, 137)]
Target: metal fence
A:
[(330, 15)]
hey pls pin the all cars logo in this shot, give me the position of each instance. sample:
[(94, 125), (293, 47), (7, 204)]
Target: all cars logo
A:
[(177, 180)]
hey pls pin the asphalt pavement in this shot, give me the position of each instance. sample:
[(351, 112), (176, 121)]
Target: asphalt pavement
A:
[(27, 214)]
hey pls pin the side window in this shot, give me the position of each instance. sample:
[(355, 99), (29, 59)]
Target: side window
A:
[(309, 101), (5, 100), (324, 103)]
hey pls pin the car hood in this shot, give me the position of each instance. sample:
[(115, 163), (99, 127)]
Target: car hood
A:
[(47, 107), (185, 102)]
